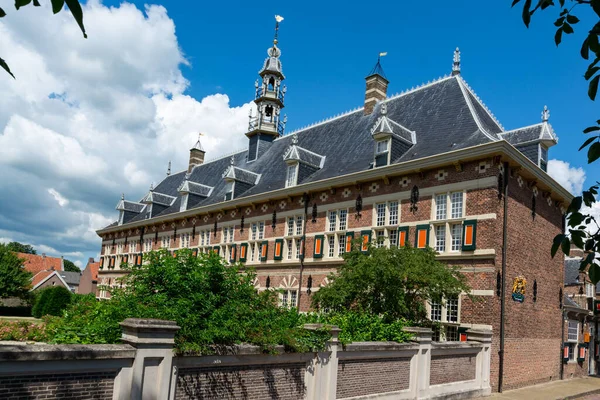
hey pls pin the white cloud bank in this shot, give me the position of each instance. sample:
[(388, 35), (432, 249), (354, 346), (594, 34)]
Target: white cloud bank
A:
[(88, 118), (571, 178)]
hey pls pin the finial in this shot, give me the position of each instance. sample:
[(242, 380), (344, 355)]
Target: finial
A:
[(232, 160), (169, 169), (256, 83), (187, 176), (122, 196), (278, 19), (151, 186), (545, 114), (295, 139), (285, 119), (198, 145), (456, 65), (383, 108)]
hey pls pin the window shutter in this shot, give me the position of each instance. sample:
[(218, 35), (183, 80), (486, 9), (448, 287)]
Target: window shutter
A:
[(580, 352), (469, 235), (243, 252), (402, 236), (365, 240), (264, 249), (233, 253), (217, 249), (349, 239), (566, 351), (139, 259), (195, 252), (278, 249), (125, 259), (113, 261), (318, 250), (101, 263), (422, 236), (302, 247)]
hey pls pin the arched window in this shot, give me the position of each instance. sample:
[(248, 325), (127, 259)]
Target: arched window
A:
[(271, 83), (269, 111)]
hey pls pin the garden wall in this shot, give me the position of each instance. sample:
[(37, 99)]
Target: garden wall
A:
[(145, 368)]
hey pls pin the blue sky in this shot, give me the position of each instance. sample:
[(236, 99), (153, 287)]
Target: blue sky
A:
[(88, 119), (329, 47)]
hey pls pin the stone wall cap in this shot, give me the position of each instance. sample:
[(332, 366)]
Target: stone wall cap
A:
[(313, 327), (455, 345), (381, 346), (417, 329), (148, 323), (51, 352)]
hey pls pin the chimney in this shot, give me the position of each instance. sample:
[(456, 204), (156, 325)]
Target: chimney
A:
[(376, 87), (196, 155), (43, 255), (90, 260)]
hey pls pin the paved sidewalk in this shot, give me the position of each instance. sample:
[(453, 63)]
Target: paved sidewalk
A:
[(581, 388)]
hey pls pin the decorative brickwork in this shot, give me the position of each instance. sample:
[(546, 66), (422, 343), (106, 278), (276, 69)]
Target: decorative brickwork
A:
[(271, 381), (80, 386), (452, 368), (364, 377)]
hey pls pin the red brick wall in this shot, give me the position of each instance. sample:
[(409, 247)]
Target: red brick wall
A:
[(452, 368), (364, 377), (83, 386), (273, 381)]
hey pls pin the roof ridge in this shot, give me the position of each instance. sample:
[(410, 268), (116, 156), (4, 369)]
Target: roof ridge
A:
[(418, 87), (518, 129), (226, 155), (465, 91), (485, 107)]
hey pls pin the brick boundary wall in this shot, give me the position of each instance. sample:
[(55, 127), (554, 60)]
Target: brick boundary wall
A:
[(364, 377), (452, 368), (87, 385)]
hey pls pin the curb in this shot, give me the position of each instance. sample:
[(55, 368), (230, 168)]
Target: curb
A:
[(580, 395)]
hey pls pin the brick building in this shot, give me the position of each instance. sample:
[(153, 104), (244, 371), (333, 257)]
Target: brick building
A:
[(430, 166)]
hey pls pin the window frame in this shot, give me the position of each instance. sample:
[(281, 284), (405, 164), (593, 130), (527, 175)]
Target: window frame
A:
[(569, 327), (294, 182)]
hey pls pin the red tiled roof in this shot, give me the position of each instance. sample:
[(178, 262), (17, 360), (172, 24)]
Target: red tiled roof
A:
[(35, 263), (94, 269), (40, 276)]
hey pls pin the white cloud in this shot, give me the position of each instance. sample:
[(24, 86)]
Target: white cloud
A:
[(5, 240), (87, 119), (571, 178)]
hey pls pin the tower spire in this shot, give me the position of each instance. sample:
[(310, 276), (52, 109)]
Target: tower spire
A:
[(278, 19), (377, 84), (169, 168), (456, 64)]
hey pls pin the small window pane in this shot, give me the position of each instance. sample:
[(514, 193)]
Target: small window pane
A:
[(261, 230), (380, 214), (331, 245), (393, 238), (291, 175), (332, 220), (393, 205), (341, 244), (452, 310), (572, 331), (290, 228), (343, 219), (290, 250), (436, 311), (456, 233), (382, 146), (440, 206), (299, 220), (457, 204), (440, 238)]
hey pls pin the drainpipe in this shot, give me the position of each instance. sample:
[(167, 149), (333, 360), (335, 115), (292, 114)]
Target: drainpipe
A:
[(562, 343), (503, 290), (305, 221)]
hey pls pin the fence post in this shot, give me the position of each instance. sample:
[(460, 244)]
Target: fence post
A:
[(150, 375), (421, 364), (321, 374), (483, 358)]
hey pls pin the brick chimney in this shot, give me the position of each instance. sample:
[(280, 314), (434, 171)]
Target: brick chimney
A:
[(196, 155), (376, 87)]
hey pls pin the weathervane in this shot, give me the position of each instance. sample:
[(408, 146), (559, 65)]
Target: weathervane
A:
[(278, 19), (456, 64)]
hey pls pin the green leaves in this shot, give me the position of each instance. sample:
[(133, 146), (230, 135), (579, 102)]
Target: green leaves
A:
[(594, 273), (593, 152), (21, 3), (558, 239), (57, 6), (2, 13), (77, 12), (593, 88), (526, 15)]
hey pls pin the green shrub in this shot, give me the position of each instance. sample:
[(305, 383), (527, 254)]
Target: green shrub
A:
[(19, 311), (22, 331), (52, 301)]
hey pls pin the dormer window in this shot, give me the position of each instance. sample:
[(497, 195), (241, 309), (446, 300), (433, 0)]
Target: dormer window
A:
[(382, 147), (543, 157), (292, 175), (382, 153), (229, 190)]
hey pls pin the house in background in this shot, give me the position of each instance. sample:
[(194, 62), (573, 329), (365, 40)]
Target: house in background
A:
[(49, 271), (89, 277)]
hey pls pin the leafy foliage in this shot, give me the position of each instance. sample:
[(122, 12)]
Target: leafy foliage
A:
[(578, 232), (22, 331), (57, 6), (393, 283), (14, 279), (70, 266), (213, 303), (52, 301), (21, 248)]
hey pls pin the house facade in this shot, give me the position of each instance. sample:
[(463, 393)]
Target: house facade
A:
[(430, 166)]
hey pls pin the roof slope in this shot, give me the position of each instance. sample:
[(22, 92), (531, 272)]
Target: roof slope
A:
[(443, 116), (35, 263)]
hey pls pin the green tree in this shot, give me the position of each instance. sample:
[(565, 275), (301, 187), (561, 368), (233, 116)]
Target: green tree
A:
[(70, 266), (52, 301), (21, 248), (395, 283), (580, 230), (14, 279), (57, 6)]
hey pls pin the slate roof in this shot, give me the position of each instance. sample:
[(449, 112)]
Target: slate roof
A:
[(133, 206), (572, 271), (570, 302), (541, 131), (72, 278), (35, 263), (441, 116), (195, 188), (308, 157)]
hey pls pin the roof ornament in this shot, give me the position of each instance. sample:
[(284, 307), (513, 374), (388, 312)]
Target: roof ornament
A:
[(122, 196), (377, 69), (151, 186), (294, 139), (278, 19), (232, 160), (198, 145), (383, 108), (456, 65), (545, 114), (169, 168)]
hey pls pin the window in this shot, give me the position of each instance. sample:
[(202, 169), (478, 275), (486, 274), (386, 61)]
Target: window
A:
[(572, 331), (446, 312), (589, 290), (228, 233), (436, 311), (299, 220), (382, 146), (380, 214), (331, 246), (380, 238), (261, 230), (393, 208), (291, 175), (456, 234), (119, 248), (332, 220), (298, 248), (452, 309), (341, 244), (571, 347), (290, 249), (133, 246), (231, 234), (252, 252), (456, 199), (184, 240), (440, 238), (290, 226), (204, 238), (253, 232), (224, 235), (393, 235), (166, 242), (440, 206), (229, 190), (343, 220), (147, 245), (289, 298)]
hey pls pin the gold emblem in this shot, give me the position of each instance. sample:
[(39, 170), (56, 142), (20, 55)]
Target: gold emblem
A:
[(518, 291)]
